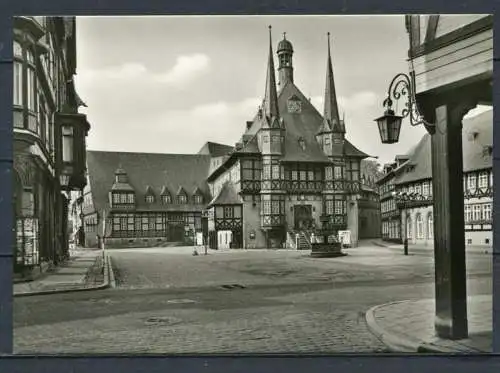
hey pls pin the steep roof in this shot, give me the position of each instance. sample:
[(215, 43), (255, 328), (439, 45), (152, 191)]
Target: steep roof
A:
[(226, 196), (158, 171), (214, 149), (477, 134)]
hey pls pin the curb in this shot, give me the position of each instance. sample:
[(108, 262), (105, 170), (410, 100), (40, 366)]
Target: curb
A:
[(401, 344), (394, 342), (104, 285)]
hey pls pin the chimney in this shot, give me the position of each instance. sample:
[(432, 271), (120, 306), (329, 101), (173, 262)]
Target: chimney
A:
[(249, 124)]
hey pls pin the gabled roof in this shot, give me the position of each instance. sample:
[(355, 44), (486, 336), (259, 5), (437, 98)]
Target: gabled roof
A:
[(197, 191), (149, 190), (180, 191), (170, 171), (215, 149), (474, 157), (164, 191), (226, 196)]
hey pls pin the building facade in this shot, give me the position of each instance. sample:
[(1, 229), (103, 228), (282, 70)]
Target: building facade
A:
[(292, 173), (406, 189), (49, 139)]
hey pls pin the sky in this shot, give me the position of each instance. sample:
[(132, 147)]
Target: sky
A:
[(165, 84)]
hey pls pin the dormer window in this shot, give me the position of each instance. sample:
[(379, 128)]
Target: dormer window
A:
[(166, 199), (150, 198), (198, 199), (302, 143), (182, 199)]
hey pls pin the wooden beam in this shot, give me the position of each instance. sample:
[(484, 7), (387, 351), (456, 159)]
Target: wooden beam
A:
[(449, 241), (432, 24)]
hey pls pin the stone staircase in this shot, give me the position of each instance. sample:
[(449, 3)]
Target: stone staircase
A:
[(303, 241)]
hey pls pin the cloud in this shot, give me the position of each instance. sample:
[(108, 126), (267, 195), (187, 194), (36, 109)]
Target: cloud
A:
[(176, 131), (186, 68)]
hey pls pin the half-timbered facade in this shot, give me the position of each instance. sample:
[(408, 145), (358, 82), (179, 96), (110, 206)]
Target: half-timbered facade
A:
[(49, 139), (412, 184)]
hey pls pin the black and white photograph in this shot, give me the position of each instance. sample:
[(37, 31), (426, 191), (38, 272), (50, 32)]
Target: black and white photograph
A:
[(253, 184)]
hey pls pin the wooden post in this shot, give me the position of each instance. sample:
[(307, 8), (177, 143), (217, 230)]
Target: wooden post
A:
[(449, 240)]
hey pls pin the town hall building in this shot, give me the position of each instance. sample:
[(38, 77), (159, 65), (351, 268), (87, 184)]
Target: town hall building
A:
[(292, 173)]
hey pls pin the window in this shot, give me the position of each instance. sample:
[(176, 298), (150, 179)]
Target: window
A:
[(116, 198), (18, 83), (266, 207), (483, 180), (329, 173), (327, 140), (471, 181), (310, 175), (130, 198), (337, 172), (339, 207), (123, 198), (67, 137), (123, 223), (329, 207), (467, 213), (150, 198), (487, 211), (409, 232), (275, 207), (182, 198), (295, 175), (198, 199), (266, 139), (420, 227), (31, 89), (228, 212), (266, 172), (477, 212), (411, 189), (418, 189), (116, 223), (130, 224), (276, 171), (425, 189)]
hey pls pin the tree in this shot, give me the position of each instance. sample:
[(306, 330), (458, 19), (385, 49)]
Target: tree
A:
[(371, 170)]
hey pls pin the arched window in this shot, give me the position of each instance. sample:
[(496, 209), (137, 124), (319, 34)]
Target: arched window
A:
[(419, 226), (430, 226), (409, 231)]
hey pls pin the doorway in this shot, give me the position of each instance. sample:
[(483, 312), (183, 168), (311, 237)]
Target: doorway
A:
[(302, 216)]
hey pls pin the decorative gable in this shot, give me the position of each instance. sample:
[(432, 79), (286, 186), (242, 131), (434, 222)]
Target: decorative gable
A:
[(197, 196), (181, 195), (165, 195), (149, 195)]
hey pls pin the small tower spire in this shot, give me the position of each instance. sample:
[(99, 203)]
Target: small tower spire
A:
[(331, 111), (271, 95)]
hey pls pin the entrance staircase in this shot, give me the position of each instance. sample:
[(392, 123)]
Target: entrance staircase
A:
[(299, 240)]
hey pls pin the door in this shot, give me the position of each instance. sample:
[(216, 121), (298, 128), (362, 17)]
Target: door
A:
[(175, 232), (302, 216)]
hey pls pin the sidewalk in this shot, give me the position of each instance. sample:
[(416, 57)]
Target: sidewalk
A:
[(425, 248), (87, 269), (408, 326)]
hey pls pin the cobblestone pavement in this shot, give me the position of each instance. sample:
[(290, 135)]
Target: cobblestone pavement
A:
[(291, 303), (153, 268)]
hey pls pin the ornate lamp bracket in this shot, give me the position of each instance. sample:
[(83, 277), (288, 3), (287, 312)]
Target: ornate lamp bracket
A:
[(402, 88)]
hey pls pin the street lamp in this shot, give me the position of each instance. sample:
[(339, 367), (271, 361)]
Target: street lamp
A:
[(389, 125), (402, 198)]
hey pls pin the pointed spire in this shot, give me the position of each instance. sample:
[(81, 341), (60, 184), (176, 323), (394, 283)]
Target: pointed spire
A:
[(271, 96), (331, 111)]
